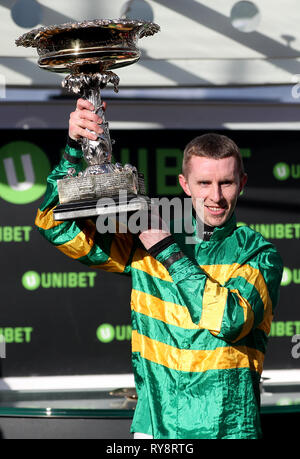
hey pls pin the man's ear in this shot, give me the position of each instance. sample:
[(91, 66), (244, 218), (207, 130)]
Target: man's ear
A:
[(243, 182), (184, 184)]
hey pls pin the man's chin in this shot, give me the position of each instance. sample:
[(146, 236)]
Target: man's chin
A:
[(215, 220)]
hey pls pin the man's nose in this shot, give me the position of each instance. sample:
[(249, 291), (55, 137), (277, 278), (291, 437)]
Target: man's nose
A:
[(217, 194)]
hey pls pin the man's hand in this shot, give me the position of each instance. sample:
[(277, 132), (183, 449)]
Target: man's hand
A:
[(83, 120), (156, 229), (151, 237)]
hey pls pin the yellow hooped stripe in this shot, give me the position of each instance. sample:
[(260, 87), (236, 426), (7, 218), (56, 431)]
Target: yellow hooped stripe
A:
[(81, 244), (214, 303), (218, 273), (221, 274), (254, 277), (119, 254), (144, 262), (248, 316), (213, 306), (197, 360), (214, 298), (44, 219), (170, 313)]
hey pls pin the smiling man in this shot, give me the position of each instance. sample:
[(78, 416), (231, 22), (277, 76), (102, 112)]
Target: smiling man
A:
[(201, 312), (213, 171), (213, 174), (229, 283)]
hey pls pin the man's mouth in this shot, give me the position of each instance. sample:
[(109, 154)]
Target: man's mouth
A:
[(215, 210)]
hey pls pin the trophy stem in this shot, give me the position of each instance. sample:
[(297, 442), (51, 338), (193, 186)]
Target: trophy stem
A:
[(97, 153)]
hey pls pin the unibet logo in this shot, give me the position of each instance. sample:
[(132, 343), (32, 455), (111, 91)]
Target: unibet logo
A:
[(281, 171), (32, 280), (286, 277), (24, 168), (107, 333), (290, 275)]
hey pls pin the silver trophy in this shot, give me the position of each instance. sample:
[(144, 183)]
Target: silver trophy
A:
[(87, 51)]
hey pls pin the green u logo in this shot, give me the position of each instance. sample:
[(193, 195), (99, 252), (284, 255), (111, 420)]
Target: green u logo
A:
[(281, 171), (24, 168)]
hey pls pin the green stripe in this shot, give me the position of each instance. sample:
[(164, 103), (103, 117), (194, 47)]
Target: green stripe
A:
[(101, 252), (233, 319), (172, 335), (160, 331), (167, 291), (74, 151), (166, 253), (250, 293), (256, 339), (96, 256), (199, 339), (159, 288), (235, 400), (184, 269), (272, 273), (211, 250), (61, 234)]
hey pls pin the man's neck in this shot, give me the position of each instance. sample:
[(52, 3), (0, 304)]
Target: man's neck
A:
[(207, 232), (207, 229)]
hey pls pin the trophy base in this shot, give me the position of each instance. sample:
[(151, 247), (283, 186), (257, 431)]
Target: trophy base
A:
[(93, 208)]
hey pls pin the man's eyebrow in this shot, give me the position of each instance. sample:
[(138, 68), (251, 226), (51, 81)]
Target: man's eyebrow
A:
[(227, 179)]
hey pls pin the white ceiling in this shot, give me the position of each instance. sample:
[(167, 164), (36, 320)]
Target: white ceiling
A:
[(197, 45)]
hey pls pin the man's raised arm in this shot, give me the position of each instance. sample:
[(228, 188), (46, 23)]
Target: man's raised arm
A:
[(79, 239)]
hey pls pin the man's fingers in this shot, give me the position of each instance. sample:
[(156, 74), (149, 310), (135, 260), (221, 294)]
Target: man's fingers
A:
[(86, 115), (85, 119), (84, 104), (80, 127), (81, 132), (92, 126)]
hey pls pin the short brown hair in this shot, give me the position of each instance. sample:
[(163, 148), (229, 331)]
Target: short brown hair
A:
[(214, 146)]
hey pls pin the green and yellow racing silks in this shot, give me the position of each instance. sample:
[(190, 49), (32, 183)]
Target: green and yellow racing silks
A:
[(199, 327)]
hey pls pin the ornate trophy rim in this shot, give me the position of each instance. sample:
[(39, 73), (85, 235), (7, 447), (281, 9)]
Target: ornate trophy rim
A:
[(32, 38)]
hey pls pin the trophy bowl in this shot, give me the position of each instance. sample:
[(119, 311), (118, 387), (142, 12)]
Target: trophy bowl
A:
[(103, 43), (88, 51)]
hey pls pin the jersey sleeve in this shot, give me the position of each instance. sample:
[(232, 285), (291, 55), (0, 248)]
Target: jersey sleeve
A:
[(229, 309), (79, 239)]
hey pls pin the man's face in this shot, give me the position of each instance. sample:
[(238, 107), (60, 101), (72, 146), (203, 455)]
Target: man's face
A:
[(217, 182)]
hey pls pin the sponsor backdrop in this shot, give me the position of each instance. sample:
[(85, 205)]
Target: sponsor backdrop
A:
[(59, 317)]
